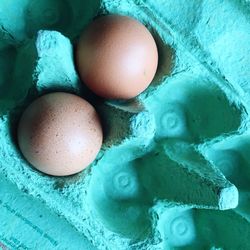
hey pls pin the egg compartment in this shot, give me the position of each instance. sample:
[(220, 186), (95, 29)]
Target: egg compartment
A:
[(138, 187), (127, 190), (183, 119), (185, 228), (237, 226)]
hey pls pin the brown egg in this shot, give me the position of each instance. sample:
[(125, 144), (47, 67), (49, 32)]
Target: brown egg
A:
[(60, 134), (116, 57)]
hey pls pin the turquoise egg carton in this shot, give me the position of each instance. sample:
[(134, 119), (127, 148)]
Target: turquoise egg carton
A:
[(174, 168)]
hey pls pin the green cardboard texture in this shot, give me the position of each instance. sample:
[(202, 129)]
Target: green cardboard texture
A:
[(174, 168), (27, 224)]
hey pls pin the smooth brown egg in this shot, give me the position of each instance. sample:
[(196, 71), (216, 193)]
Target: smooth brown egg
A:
[(117, 57), (60, 134)]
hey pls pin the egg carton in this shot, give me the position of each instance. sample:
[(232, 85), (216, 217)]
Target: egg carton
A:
[(174, 168)]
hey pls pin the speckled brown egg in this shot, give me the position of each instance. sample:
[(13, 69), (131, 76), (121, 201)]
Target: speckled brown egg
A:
[(117, 57), (60, 134)]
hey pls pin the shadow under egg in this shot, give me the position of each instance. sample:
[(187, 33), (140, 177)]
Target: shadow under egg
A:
[(166, 59)]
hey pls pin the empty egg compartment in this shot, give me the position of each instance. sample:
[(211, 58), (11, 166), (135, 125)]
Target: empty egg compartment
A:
[(139, 185), (210, 224), (185, 228), (117, 190), (193, 105), (150, 158)]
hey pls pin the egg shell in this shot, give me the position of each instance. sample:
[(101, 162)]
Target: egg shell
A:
[(60, 134), (117, 57)]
